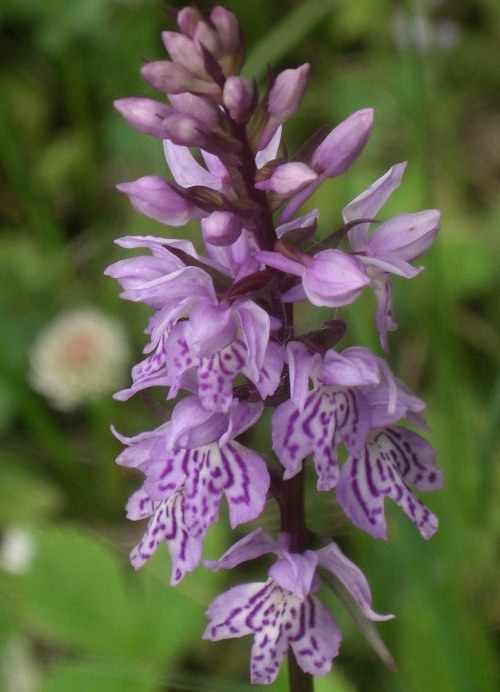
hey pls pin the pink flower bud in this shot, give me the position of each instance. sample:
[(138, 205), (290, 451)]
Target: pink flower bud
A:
[(145, 115), (344, 144), (182, 51), (221, 228), (228, 29), (187, 19), (286, 94), (155, 197), (239, 98), (174, 78)]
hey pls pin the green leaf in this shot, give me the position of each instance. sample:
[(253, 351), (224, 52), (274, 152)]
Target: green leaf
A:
[(162, 609), (75, 594), (24, 496), (471, 268), (110, 675)]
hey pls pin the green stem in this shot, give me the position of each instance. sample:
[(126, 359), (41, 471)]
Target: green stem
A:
[(292, 520), (298, 681)]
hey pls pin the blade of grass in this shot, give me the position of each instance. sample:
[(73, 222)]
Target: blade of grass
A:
[(285, 35)]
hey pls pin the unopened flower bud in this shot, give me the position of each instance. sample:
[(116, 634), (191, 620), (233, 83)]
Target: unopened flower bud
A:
[(228, 29), (286, 94), (174, 78), (183, 52), (187, 19), (239, 98), (283, 100), (221, 228), (156, 198), (344, 144), (146, 115)]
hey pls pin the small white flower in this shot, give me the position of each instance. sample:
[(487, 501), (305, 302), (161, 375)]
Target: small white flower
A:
[(17, 550), (80, 356)]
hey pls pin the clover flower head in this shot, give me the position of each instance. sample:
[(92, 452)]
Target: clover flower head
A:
[(79, 357)]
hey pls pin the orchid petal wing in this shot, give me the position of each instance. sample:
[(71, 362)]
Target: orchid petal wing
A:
[(334, 560), (167, 526), (387, 461)]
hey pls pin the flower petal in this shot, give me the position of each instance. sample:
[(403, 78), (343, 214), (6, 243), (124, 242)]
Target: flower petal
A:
[(334, 560), (155, 197), (334, 278), (367, 204), (167, 526), (387, 461), (186, 169), (344, 144)]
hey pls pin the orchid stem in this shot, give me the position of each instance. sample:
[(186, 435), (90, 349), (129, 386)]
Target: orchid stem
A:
[(292, 520)]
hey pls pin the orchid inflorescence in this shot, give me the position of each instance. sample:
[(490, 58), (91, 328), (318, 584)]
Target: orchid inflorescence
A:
[(223, 344)]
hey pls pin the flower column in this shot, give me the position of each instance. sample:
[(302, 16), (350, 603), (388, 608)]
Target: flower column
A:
[(223, 346)]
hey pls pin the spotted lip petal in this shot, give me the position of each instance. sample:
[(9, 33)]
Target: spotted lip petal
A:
[(167, 526), (391, 457), (278, 619), (328, 418), (282, 612)]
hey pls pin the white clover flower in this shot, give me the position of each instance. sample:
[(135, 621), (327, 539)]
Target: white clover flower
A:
[(80, 356), (17, 550)]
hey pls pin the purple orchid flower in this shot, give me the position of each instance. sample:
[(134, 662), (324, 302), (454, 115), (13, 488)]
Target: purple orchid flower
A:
[(352, 392), (189, 463), (283, 612), (331, 158), (223, 346), (392, 245), (331, 278)]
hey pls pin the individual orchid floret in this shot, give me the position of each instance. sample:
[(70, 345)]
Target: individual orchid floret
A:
[(331, 278), (228, 30), (353, 392), (156, 198), (315, 421), (239, 97), (221, 228), (196, 452), (391, 246), (174, 78), (166, 525), (225, 343), (331, 158), (283, 612), (183, 52), (146, 115), (389, 250), (193, 330), (391, 458), (283, 100)]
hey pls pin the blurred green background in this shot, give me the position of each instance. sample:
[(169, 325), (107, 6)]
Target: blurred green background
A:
[(73, 614)]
